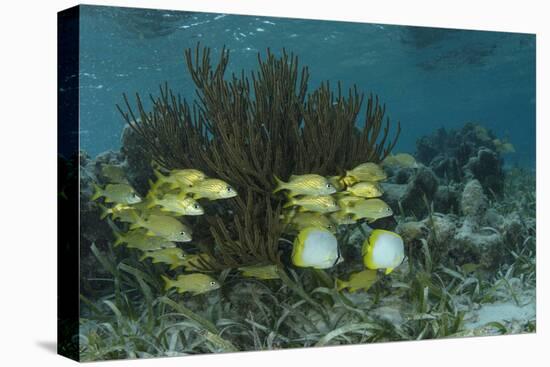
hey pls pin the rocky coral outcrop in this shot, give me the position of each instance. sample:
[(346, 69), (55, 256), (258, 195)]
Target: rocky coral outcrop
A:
[(412, 231), (486, 167), (420, 188), (393, 194), (473, 244), (138, 163), (473, 202), (447, 198), (458, 155), (443, 228)]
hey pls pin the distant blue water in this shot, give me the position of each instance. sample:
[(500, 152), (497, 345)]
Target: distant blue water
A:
[(428, 78)]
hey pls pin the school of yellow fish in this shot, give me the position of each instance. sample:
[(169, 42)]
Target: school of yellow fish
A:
[(327, 202), (315, 209), (156, 223)]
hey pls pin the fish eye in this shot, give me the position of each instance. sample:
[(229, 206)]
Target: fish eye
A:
[(229, 189), (182, 233), (212, 283), (196, 206), (329, 186)]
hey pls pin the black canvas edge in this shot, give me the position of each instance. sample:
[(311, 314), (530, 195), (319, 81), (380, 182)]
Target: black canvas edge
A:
[(68, 43)]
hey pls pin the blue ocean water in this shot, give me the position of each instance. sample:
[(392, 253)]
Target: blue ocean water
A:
[(428, 78)]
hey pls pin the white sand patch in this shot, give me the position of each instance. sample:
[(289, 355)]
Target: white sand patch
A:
[(503, 312)]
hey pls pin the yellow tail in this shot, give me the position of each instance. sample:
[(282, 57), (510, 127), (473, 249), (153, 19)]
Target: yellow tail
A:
[(159, 175), (137, 221), (289, 203), (340, 284), (167, 282), (152, 200), (160, 180), (118, 238), (97, 192), (104, 212), (280, 185)]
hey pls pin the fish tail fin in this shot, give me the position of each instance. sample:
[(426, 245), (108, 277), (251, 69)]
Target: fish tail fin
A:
[(159, 175), (154, 185), (167, 282), (342, 183), (104, 212), (118, 238), (291, 202), (97, 192), (280, 185), (160, 179), (348, 179), (152, 201), (137, 221), (388, 270), (340, 284), (175, 265)]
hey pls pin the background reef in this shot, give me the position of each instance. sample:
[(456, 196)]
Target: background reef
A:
[(467, 222)]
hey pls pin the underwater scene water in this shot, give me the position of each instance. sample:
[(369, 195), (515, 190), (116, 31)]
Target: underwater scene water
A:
[(254, 183)]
